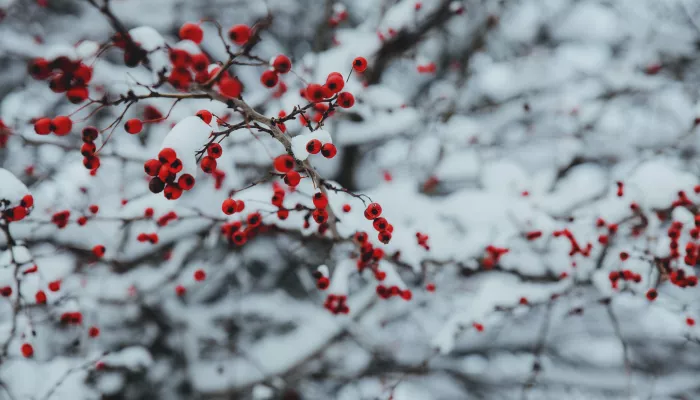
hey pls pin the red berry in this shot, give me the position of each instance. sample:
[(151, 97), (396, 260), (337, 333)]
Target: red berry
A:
[(88, 149), (652, 294), (230, 87), (40, 297), (55, 286), (186, 182), (93, 331), (315, 92), (374, 210), (205, 116), (384, 237), (320, 200), (346, 208), (172, 192), (90, 133), (27, 201), (292, 178), (314, 146), (200, 275), (167, 155), (284, 163), (193, 32), (239, 34), (208, 164), (180, 290), (62, 125), (346, 100), (27, 350), (328, 150), (91, 162), (335, 83), (77, 95), (269, 78), (359, 64), (133, 126), (228, 206), (282, 64), (98, 250), (282, 214), (214, 150)]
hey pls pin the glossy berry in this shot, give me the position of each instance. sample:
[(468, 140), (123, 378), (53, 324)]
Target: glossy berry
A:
[(200, 275), (62, 125), (77, 95), (205, 116), (320, 215), (27, 350), (328, 150), (282, 64), (40, 297), (292, 178), (167, 155), (230, 87), (228, 206), (91, 162), (284, 163), (652, 294), (254, 219), (347, 208), (133, 126), (94, 332), (314, 146), (283, 214), (156, 185), (335, 83), (314, 92), (193, 32), (43, 126), (88, 149), (239, 34), (185, 182), (346, 100), (172, 192), (208, 164), (320, 200), (359, 64), (384, 237), (214, 150), (90, 133), (374, 210), (269, 78), (99, 251)]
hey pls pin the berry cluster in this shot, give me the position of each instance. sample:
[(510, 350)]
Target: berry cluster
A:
[(64, 75), (493, 255), (164, 171), (89, 149), (60, 125), (17, 213)]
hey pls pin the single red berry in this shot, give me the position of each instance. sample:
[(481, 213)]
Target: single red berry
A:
[(282, 214), (315, 92), (62, 125), (214, 150), (133, 126), (384, 237), (77, 94), (208, 164), (690, 321), (228, 206), (94, 332), (172, 192), (335, 83), (292, 178), (230, 87), (99, 250), (90, 133), (193, 32), (55, 286), (94, 208), (320, 215), (180, 290), (27, 350), (269, 78), (346, 208), (320, 200), (40, 297), (314, 146), (167, 155), (91, 162), (240, 205), (205, 116), (185, 182), (284, 163), (430, 287), (282, 64), (200, 275), (652, 294), (328, 150), (374, 210), (346, 100), (359, 64), (239, 34), (88, 149)]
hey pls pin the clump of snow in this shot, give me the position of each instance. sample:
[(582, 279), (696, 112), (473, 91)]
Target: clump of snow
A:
[(11, 188)]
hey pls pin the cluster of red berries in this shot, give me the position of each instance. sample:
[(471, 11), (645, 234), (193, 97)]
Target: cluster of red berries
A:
[(422, 240), (285, 164), (82, 220), (166, 218), (278, 200), (320, 214), (340, 14), (237, 234), (164, 171), (328, 150), (680, 279), (147, 237), (60, 218), (278, 65), (89, 149), (322, 281), (369, 255), (373, 212), (429, 68), (17, 213), (188, 68), (575, 247), (493, 255), (385, 292), (682, 200), (72, 318), (64, 75), (336, 304), (134, 54), (624, 275), (231, 206), (60, 125)]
